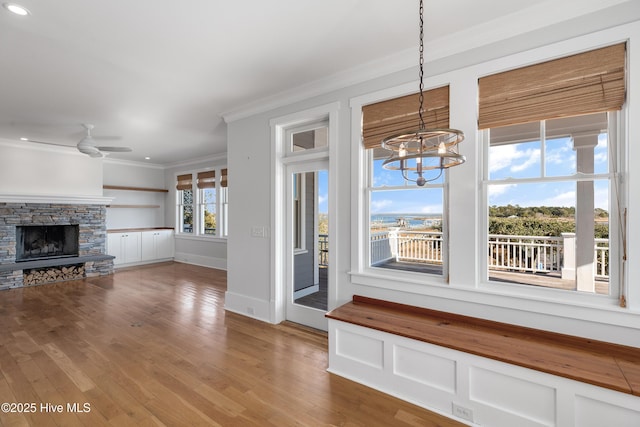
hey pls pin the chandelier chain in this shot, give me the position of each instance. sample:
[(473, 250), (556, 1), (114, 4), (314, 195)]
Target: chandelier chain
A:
[(421, 73)]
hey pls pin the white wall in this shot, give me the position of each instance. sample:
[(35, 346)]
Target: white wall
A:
[(250, 266), (34, 169), (130, 174), (204, 251)]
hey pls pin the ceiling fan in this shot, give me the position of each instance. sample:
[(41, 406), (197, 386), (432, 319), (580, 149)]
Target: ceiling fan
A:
[(87, 145)]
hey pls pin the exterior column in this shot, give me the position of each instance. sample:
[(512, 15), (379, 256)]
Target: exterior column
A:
[(568, 268), (584, 145), (393, 242)]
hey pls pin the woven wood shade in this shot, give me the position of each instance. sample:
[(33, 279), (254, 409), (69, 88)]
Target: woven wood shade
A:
[(399, 115), (185, 182), (589, 82), (224, 182), (207, 179)]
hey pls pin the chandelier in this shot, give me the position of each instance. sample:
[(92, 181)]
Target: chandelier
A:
[(423, 150)]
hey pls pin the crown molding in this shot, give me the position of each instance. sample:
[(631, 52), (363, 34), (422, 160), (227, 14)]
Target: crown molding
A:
[(216, 158), (54, 199), (534, 18)]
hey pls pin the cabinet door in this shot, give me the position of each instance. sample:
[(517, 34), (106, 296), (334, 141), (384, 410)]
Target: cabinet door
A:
[(164, 244), (131, 247), (114, 247), (148, 245)]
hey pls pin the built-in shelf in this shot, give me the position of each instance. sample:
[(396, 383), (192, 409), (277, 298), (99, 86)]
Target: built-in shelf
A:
[(120, 187), (133, 206)]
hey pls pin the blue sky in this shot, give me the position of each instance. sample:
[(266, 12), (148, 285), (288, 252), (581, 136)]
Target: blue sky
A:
[(523, 160)]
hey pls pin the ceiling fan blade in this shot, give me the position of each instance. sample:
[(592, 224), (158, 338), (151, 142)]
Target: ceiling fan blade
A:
[(48, 143), (106, 137), (115, 149)]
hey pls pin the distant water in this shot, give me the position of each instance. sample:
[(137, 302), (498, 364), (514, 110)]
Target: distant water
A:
[(406, 220)]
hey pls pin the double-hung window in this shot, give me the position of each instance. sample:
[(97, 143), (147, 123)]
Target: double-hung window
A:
[(407, 223), (552, 162), (185, 198), (203, 203)]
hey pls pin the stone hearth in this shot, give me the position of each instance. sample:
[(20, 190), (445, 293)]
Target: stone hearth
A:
[(91, 221)]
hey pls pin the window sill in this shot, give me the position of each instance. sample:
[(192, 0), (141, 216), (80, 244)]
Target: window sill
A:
[(201, 238), (501, 303)]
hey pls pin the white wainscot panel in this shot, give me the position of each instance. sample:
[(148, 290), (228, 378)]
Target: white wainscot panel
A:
[(425, 368), (596, 413), (515, 401), (360, 348)]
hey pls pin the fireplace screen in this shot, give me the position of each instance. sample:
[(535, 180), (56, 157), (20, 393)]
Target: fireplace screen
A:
[(46, 241)]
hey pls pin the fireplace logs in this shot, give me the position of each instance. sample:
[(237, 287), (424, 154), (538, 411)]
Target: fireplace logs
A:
[(53, 274)]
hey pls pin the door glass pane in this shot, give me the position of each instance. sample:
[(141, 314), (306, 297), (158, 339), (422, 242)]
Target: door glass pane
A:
[(311, 245)]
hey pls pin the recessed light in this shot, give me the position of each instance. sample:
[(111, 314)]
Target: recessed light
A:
[(17, 9), (24, 139), (147, 158)]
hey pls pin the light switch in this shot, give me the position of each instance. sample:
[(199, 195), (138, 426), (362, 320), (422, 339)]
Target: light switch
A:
[(257, 231)]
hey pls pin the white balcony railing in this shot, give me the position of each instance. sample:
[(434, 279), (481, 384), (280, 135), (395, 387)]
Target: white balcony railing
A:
[(537, 254)]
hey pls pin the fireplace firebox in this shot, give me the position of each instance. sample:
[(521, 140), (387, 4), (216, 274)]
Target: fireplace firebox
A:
[(46, 241)]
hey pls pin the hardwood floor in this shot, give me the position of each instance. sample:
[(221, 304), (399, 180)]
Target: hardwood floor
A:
[(153, 346)]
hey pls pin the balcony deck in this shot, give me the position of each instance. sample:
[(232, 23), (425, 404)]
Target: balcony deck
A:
[(552, 279), (547, 280)]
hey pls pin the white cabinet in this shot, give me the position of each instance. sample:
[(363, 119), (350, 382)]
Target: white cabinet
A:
[(125, 247), (157, 245), (137, 247)]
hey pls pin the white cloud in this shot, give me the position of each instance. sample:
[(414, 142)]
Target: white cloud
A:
[(509, 156), (561, 155), (380, 205), (498, 190), (567, 198), (432, 209), (528, 157)]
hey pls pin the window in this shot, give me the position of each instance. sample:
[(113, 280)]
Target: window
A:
[(405, 221), (551, 169), (185, 203), (203, 203), (549, 199), (207, 201), (311, 136), (299, 196)]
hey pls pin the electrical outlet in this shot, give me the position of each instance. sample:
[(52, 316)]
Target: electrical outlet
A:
[(462, 412)]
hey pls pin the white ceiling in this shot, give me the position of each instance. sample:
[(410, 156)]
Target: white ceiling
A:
[(160, 74)]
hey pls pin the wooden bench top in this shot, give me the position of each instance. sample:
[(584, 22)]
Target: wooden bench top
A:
[(603, 364)]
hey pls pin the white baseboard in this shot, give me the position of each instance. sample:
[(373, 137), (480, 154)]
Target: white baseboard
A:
[(247, 306), (201, 260)]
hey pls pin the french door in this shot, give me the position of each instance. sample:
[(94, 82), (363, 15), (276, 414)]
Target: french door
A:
[(306, 243)]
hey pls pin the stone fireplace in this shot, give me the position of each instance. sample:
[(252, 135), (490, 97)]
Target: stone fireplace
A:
[(35, 236), (46, 241)]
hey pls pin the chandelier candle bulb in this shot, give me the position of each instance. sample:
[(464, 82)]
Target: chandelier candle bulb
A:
[(440, 145)]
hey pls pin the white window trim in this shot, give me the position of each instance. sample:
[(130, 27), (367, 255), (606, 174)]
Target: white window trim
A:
[(279, 159), (198, 220), (489, 302), (361, 272)]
